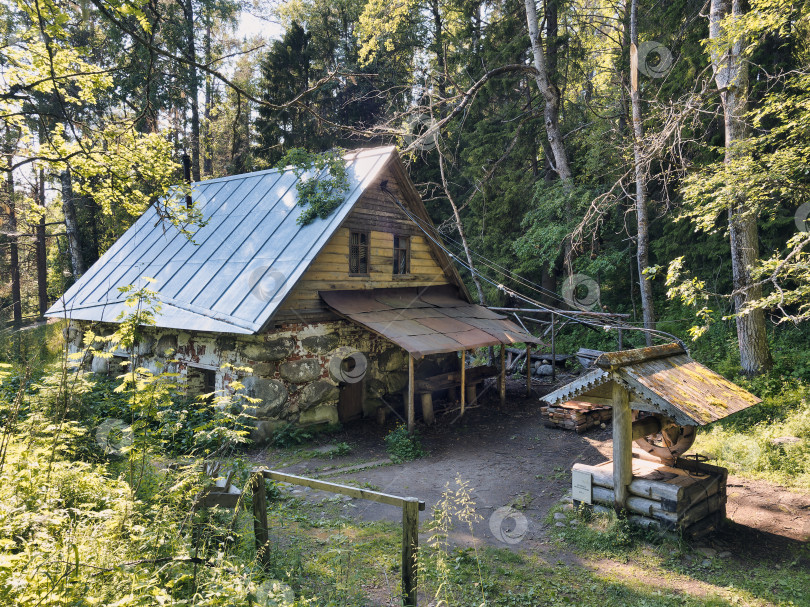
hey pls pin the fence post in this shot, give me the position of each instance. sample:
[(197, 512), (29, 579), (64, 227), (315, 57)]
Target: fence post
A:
[(260, 516), (410, 546)]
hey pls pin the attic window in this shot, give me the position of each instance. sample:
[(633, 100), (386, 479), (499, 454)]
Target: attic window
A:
[(358, 253), (402, 249)]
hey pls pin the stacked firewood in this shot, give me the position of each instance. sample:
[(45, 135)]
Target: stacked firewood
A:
[(575, 415)]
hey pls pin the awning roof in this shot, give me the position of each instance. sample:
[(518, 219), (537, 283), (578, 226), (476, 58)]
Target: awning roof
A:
[(427, 320), (662, 379)]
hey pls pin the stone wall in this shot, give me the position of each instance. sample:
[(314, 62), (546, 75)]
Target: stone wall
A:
[(289, 367)]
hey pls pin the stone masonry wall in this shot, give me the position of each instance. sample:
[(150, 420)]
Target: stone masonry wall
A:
[(290, 367)]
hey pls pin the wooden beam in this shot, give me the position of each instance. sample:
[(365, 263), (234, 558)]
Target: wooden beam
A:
[(528, 370), (312, 483), (411, 507), (565, 312), (553, 349), (410, 547), (622, 446), (502, 377), (411, 414), (427, 408), (463, 379)]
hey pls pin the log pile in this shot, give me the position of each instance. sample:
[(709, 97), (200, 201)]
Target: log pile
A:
[(575, 415), (690, 496)]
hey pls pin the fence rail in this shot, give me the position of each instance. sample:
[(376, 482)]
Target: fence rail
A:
[(410, 506)]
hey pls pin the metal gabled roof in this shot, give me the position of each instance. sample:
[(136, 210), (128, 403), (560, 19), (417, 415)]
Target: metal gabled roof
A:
[(241, 264), (663, 379)]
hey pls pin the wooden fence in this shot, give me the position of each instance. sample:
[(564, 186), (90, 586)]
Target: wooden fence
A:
[(410, 506)]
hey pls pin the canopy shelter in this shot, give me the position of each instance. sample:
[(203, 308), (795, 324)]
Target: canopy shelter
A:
[(428, 320), (662, 380)]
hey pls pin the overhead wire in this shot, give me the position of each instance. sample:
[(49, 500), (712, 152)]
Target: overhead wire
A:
[(606, 325)]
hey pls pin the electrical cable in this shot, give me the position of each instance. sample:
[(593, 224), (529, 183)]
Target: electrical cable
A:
[(607, 325)]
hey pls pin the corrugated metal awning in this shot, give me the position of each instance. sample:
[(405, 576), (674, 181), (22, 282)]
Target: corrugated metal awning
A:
[(427, 320), (662, 379)]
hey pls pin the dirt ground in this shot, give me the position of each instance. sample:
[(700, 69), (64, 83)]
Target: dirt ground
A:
[(510, 459)]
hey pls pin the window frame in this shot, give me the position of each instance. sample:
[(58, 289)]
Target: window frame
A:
[(367, 246), (206, 373), (400, 249)]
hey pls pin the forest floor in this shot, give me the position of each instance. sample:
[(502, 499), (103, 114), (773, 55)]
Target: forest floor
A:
[(509, 458)]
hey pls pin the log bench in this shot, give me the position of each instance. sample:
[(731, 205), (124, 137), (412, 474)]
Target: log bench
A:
[(448, 381)]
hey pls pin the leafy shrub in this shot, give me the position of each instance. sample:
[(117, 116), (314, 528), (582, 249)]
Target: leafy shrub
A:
[(403, 446), (290, 435)]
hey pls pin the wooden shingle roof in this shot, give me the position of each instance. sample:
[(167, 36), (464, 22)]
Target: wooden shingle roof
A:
[(661, 379)]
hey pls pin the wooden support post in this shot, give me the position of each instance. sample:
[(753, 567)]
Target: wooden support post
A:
[(621, 340), (528, 370), (410, 546), (622, 445), (260, 516), (553, 349), (502, 378), (427, 408), (410, 407), (463, 379), (472, 393)]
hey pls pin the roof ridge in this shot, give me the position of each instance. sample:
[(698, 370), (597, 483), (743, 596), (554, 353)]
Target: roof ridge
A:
[(350, 155)]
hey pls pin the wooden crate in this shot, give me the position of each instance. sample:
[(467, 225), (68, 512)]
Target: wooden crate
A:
[(575, 415), (690, 496)]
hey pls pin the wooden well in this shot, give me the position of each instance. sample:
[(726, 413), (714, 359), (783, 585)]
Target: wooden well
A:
[(669, 394), (689, 496)]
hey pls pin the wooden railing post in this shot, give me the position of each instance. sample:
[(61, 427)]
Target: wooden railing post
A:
[(410, 546), (260, 516)]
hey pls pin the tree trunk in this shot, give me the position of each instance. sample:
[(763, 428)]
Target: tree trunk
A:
[(642, 237), (550, 93), (457, 217), (208, 161), (731, 76), (193, 90), (16, 295), (551, 112), (42, 252), (71, 226)]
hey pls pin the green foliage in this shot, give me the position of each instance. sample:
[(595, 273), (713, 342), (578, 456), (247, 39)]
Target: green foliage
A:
[(553, 217), (323, 181), (290, 435), (403, 446)]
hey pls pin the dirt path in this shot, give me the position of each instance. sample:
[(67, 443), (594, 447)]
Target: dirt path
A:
[(510, 459)]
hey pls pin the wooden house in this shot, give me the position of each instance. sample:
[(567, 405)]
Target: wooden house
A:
[(335, 319)]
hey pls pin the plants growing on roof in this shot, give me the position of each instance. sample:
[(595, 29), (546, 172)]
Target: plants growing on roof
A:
[(322, 181)]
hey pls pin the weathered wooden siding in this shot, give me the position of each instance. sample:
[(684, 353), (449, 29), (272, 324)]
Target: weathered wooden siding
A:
[(378, 215)]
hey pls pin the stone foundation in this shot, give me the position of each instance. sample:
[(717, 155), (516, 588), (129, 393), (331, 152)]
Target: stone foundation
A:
[(289, 367)]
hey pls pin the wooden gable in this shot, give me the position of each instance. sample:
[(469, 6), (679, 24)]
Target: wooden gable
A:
[(376, 214)]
